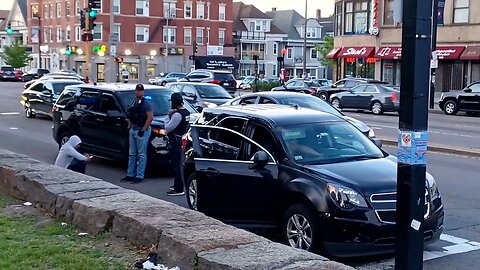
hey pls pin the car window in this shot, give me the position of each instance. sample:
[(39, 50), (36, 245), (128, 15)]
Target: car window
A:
[(233, 123), (223, 77), (109, 103), (340, 83), (299, 84), (58, 87), (212, 91), (218, 143), (159, 100), (263, 137), (65, 97), (370, 89), (359, 89), (198, 76), (37, 87), (290, 84), (175, 87), (88, 101), (249, 100), (350, 84), (265, 100), (7, 68), (475, 88), (235, 101), (189, 91)]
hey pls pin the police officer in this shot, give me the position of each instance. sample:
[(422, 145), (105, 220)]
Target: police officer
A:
[(140, 117), (177, 125)]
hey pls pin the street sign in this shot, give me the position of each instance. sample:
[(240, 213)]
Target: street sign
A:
[(113, 50), (434, 63)]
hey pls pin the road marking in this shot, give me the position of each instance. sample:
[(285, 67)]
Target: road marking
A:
[(9, 113), (460, 245), (379, 127), (13, 128)]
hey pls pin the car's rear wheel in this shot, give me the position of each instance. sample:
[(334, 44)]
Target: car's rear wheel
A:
[(164, 83), (28, 111), (451, 107), (300, 228), (192, 194), (323, 95), (377, 108), (336, 103)]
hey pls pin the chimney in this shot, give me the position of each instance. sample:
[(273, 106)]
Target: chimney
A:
[(274, 9), (319, 14)]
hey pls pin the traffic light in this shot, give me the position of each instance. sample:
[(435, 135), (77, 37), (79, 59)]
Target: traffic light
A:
[(118, 60), (68, 51), (82, 20), (9, 29), (87, 37), (93, 4), (92, 13), (195, 48)]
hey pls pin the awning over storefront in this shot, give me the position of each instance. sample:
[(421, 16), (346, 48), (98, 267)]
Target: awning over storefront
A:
[(389, 53), (333, 53), (471, 53), (356, 52), (215, 62), (449, 52)]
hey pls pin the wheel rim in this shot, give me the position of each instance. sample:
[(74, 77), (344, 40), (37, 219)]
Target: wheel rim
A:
[(450, 107), (64, 139), (323, 96), (28, 111), (377, 108), (192, 193), (299, 232), (336, 103)]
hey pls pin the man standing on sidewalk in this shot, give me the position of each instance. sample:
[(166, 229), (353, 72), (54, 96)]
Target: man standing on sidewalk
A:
[(176, 125), (140, 117)]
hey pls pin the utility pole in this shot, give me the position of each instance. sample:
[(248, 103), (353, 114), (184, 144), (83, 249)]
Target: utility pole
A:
[(39, 39), (87, 46), (305, 42), (413, 135), (168, 38), (434, 48), (110, 44)]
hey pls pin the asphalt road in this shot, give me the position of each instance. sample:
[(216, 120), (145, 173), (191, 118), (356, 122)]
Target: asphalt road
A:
[(457, 178)]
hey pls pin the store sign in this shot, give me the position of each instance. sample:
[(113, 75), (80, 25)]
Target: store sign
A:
[(374, 29), (446, 53), (216, 64), (355, 52), (172, 51), (214, 50), (389, 53)]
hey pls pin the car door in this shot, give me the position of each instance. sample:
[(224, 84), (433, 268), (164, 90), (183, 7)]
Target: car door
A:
[(476, 91), (112, 130), (46, 98), (350, 99), (469, 99), (223, 172), (85, 115), (34, 95), (365, 98)]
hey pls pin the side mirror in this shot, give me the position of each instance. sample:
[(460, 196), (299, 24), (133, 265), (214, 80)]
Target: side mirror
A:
[(199, 108), (467, 90), (378, 142), (191, 95), (114, 113), (260, 159), (334, 86)]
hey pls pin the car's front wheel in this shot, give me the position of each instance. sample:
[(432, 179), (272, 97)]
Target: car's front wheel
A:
[(192, 194), (377, 107), (336, 103), (300, 228), (451, 107), (163, 83), (323, 95), (28, 111)]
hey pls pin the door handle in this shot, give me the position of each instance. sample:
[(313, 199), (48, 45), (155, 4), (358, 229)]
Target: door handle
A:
[(210, 172)]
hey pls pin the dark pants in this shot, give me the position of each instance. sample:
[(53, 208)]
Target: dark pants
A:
[(78, 166), (175, 155)]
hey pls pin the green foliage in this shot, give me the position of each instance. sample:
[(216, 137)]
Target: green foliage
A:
[(16, 55), (325, 49), (264, 86)]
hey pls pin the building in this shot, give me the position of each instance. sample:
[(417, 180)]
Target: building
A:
[(368, 42), (292, 23), (141, 33)]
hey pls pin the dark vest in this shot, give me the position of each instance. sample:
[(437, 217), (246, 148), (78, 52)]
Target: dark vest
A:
[(137, 113), (184, 124)]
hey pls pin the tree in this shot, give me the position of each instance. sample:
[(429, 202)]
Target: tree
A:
[(324, 49), (16, 55)]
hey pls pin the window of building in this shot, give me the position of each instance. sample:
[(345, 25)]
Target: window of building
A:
[(34, 9), (45, 11), (68, 33), (221, 37), (78, 34), (274, 70), (50, 10), (188, 10), (67, 8), (116, 6), (313, 53), (221, 12), (275, 49), (289, 53), (311, 32), (59, 10), (141, 7), (187, 36), (77, 7), (200, 35), (348, 17), (208, 11), (141, 33), (200, 10), (116, 32), (169, 35), (461, 11), (50, 34), (356, 17), (388, 12), (338, 19), (97, 32), (208, 36), (169, 9)]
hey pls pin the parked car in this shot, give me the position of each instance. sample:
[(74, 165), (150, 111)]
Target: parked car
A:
[(33, 74), (323, 82), (66, 72), (163, 79), (311, 175), (377, 98), (18, 75), (223, 78), (270, 80), (40, 96), (247, 82), (299, 85), (300, 100), (7, 73), (201, 95), (344, 85), (467, 100), (97, 114), (51, 76)]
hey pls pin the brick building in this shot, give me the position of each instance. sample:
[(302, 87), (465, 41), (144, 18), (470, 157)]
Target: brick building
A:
[(139, 35)]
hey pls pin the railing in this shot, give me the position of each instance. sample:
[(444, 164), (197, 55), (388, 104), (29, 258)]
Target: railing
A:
[(248, 55), (248, 35)]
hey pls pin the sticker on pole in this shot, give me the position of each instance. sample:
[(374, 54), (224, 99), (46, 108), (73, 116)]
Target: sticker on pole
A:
[(412, 147)]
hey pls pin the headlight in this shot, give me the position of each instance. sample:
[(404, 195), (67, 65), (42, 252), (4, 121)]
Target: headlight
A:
[(210, 104), (371, 133), (441, 96), (433, 187), (345, 197)]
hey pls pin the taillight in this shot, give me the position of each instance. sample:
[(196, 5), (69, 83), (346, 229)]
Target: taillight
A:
[(312, 90), (1, 71), (54, 109), (216, 82), (394, 97)]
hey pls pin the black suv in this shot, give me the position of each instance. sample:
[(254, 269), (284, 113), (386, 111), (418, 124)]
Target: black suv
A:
[(223, 78), (467, 100), (97, 114), (344, 85), (311, 174), (7, 73)]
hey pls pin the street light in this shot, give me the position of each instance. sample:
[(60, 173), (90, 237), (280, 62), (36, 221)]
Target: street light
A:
[(128, 52), (79, 51)]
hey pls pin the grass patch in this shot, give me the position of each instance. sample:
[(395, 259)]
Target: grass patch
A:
[(23, 245)]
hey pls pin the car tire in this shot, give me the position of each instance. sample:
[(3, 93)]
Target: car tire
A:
[(336, 103), (377, 107), (163, 83), (300, 228), (451, 107), (323, 95), (192, 192), (63, 138), (28, 111)]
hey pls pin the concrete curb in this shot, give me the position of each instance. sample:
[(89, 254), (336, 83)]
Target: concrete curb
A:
[(439, 148), (185, 238)]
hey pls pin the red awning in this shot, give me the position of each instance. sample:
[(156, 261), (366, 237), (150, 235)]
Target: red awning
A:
[(356, 52), (389, 53), (333, 53), (471, 53), (449, 52)]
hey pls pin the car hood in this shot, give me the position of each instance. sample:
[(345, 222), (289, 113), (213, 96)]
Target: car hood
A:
[(357, 123), (366, 176), (159, 121), (217, 101), (453, 93)]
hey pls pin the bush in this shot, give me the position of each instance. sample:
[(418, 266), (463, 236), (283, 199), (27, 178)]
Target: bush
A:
[(264, 86)]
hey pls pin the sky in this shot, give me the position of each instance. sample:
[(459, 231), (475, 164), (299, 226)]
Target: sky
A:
[(6, 4), (266, 5)]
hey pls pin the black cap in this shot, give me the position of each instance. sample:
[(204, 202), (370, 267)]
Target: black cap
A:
[(176, 97)]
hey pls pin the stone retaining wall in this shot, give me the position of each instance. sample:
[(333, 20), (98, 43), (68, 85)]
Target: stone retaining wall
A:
[(185, 238)]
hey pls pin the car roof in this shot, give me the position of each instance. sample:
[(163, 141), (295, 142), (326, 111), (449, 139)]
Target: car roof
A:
[(274, 94), (61, 81), (122, 87), (277, 115), (213, 70), (194, 83)]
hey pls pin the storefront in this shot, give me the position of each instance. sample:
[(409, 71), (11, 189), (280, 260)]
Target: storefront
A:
[(390, 58), (216, 62), (471, 54), (357, 61), (451, 70)]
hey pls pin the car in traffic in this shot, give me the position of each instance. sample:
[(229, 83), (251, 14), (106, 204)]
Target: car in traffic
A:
[(309, 175), (98, 115), (18, 75), (344, 85), (299, 85), (34, 73), (7, 73), (323, 82), (67, 72), (41, 95), (201, 95), (466, 100), (165, 78), (300, 100), (223, 78), (247, 82), (51, 76), (378, 98)]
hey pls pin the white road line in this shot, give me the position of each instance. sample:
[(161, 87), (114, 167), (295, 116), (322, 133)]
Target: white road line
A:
[(9, 113), (378, 127), (13, 128)]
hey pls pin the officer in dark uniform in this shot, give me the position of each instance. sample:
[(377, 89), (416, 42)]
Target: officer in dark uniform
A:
[(140, 117), (177, 125)]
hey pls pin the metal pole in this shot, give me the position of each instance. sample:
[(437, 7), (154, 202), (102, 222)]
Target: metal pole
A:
[(87, 47), (166, 43), (110, 44), (413, 135), (39, 40), (305, 42), (434, 48)]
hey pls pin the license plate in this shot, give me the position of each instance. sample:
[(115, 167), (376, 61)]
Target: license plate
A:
[(225, 84)]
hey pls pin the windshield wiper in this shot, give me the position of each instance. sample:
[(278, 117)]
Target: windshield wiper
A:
[(362, 157)]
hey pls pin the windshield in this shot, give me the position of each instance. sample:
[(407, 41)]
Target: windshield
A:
[(323, 143), (312, 84), (212, 91), (159, 100), (58, 87), (309, 102), (7, 68)]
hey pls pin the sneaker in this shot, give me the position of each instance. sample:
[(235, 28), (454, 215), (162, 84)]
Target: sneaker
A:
[(137, 180), (175, 193), (171, 188), (127, 179)]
